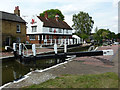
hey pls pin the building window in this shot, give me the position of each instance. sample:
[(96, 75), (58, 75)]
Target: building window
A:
[(50, 29), (66, 31), (18, 28), (60, 31), (32, 37), (50, 37), (34, 28)]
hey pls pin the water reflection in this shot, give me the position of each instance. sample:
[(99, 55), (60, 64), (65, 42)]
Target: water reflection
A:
[(12, 69)]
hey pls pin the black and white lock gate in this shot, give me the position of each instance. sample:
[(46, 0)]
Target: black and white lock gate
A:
[(91, 53), (78, 54)]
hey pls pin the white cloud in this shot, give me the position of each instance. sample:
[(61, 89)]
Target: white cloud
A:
[(102, 17)]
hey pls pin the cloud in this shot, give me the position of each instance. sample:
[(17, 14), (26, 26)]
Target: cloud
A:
[(104, 12)]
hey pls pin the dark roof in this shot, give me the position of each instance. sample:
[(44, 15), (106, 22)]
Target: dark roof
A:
[(54, 24), (11, 17)]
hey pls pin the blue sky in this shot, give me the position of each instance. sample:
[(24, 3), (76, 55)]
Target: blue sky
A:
[(103, 12)]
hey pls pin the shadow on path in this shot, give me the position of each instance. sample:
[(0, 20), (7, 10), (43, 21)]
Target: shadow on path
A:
[(105, 61)]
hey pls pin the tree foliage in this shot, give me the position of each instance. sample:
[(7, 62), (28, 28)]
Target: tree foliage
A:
[(118, 36), (83, 24), (103, 34), (52, 13)]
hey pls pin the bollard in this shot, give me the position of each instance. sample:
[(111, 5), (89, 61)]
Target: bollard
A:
[(14, 47), (55, 47), (20, 49), (65, 46), (34, 49), (15, 50), (20, 52), (34, 53)]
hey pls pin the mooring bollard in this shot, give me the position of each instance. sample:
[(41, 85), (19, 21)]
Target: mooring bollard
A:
[(65, 46), (14, 47), (34, 53), (55, 47), (15, 50), (34, 49), (20, 51)]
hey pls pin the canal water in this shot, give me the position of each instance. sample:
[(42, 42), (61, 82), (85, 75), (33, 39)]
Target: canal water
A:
[(13, 70)]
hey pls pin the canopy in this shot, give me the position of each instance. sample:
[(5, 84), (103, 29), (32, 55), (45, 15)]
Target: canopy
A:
[(75, 36)]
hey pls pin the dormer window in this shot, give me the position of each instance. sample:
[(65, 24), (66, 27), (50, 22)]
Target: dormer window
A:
[(18, 28)]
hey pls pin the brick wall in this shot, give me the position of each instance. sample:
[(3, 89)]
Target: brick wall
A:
[(36, 41), (9, 29)]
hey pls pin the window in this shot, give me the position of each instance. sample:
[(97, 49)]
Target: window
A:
[(32, 37), (50, 37), (60, 31), (50, 29), (66, 31), (18, 28), (34, 28)]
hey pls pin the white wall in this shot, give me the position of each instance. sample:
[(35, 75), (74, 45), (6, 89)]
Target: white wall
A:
[(41, 29), (38, 23)]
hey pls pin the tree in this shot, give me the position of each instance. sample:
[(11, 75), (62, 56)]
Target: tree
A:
[(96, 34), (83, 24), (52, 13), (103, 34), (118, 36)]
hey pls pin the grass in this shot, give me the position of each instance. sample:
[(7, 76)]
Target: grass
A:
[(105, 80)]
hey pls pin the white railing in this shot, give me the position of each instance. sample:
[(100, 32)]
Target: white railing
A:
[(91, 48)]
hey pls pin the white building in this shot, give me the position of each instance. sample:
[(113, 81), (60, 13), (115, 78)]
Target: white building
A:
[(44, 29)]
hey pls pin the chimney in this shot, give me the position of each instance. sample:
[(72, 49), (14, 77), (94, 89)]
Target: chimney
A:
[(46, 15), (57, 17), (17, 11)]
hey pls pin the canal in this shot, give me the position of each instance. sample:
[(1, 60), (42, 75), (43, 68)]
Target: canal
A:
[(13, 70)]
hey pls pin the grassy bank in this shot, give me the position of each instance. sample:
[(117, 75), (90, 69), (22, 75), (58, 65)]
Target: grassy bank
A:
[(105, 80)]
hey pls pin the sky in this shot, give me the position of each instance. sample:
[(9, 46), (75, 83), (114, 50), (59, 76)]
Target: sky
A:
[(103, 12)]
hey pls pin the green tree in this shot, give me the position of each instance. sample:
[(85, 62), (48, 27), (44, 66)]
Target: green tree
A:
[(112, 35), (52, 13), (118, 36), (96, 34), (103, 34), (83, 24)]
